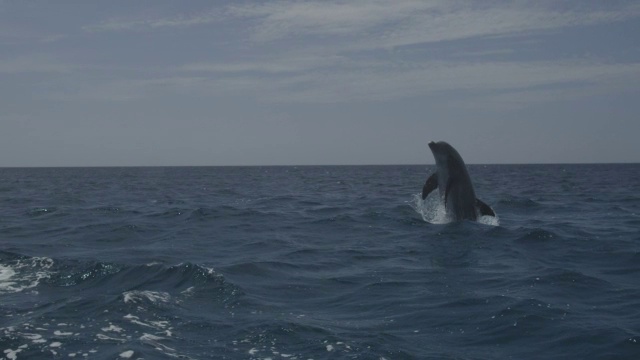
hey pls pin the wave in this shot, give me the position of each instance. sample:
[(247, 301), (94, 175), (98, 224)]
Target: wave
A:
[(110, 303), (20, 273), (41, 211), (538, 235), (211, 263), (561, 280), (519, 202)]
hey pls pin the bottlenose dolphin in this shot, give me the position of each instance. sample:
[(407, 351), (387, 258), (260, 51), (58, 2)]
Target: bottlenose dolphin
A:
[(454, 185)]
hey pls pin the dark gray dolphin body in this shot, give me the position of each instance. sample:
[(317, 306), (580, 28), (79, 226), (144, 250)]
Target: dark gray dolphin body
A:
[(454, 184)]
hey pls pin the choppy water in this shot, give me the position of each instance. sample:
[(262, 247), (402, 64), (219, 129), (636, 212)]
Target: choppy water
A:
[(317, 263)]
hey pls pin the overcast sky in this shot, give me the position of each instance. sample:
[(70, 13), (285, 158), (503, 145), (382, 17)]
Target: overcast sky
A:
[(121, 83)]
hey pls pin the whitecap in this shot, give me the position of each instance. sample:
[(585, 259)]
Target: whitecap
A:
[(136, 296), (24, 274), (126, 354), (60, 333), (112, 328), (154, 341), (108, 338), (12, 354)]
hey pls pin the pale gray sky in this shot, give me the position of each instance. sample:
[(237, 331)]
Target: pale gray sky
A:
[(112, 83)]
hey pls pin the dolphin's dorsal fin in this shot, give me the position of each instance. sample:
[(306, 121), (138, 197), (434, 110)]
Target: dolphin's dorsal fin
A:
[(484, 209), (430, 185)]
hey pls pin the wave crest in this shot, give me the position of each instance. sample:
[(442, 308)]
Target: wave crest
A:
[(23, 273)]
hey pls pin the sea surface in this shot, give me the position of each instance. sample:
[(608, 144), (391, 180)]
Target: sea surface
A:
[(294, 263)]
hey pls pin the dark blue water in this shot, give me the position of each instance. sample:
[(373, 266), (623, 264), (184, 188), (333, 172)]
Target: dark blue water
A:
[(317, 263)]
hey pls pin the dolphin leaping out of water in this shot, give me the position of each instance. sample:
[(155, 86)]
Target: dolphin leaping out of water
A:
[(454, 185)]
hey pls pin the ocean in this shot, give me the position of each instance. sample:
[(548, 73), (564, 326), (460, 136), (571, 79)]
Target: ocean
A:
[(318, 262)]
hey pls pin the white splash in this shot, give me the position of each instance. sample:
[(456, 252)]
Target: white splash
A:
[(126, 354), (6, 273), (154, 341), (136, 320), (112, 328), (433, 210), (136, 296), (12, 354), (35, 338), (109, 338), (23, 274), (489, 220), (61, 333)]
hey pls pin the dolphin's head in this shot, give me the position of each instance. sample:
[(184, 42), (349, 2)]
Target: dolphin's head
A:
[(441, 152), (445, 155)]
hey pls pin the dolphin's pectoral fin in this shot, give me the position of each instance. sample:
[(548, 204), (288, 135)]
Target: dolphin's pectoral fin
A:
[(430, 185), (484, 208)]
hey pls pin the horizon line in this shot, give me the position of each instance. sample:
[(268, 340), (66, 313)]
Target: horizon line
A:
[(307, 165)]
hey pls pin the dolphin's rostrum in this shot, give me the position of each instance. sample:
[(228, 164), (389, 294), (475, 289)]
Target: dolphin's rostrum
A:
[(454, 185)]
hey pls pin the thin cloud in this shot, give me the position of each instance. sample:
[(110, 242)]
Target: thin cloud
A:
[(53, 38), (343, 56), (341, 81), (34, 64), (383, 24), (154, 23), (471, 78), (379, 82), (285, 18), (127, 89), (467, 22), (286, 63)]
